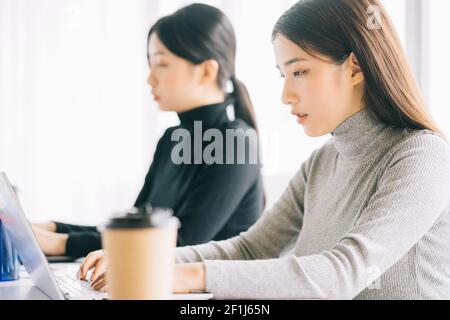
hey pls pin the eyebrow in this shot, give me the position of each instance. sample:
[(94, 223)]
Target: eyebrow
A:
[(159, 53), (292, 61)]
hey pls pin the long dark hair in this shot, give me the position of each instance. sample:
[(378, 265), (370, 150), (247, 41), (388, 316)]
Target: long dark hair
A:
[(199, 32), (336, 28)]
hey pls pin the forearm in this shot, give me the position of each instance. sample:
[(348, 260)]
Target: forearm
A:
[(265, 240), (230, 249), (49, 226), (189, 277), (52, 244)]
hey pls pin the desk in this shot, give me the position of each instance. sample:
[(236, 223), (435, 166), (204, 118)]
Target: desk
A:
[(22, 289)]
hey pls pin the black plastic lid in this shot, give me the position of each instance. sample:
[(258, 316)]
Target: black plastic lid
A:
[(144, 218)]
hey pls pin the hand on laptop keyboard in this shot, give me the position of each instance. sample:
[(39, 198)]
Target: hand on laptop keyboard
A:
[(95, 261)]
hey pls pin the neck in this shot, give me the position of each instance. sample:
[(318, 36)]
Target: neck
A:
[(206, 98), (358, 134)]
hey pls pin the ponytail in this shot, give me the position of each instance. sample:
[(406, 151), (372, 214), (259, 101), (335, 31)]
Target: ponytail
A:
[(243, 106), (243, 109)]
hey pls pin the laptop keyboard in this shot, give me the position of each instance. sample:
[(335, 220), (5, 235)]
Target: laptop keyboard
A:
[(74, 287)]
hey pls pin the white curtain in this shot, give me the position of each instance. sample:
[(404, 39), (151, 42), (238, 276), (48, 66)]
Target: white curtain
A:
[(77, 125)]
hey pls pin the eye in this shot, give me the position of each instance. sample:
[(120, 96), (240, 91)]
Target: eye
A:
[(157, 64), (299, 73)]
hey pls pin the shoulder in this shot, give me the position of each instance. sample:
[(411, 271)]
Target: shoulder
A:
[(422, 159), (167, 140), (421, 146), (424, 138), (173, 134), (169, 132)]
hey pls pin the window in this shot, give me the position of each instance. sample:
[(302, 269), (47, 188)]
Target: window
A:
[(438, 63)]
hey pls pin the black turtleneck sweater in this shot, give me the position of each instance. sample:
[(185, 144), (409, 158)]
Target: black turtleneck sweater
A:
[(212, 201)]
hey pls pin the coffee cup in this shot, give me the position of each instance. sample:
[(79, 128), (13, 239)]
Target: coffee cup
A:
[(140, 247)]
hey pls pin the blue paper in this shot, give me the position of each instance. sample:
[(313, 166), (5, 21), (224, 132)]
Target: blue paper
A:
[(9, 262)]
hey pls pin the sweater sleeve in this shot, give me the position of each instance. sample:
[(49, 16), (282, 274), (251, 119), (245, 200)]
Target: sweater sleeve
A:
[(412, 194), (82, 239), (81, 243), (68, 228), (273, 232)]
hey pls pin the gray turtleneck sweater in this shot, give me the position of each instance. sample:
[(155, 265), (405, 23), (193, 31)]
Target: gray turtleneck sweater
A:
[(365, 217)]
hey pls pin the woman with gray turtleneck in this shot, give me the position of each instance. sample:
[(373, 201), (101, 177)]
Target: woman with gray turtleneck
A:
[(367, 216)]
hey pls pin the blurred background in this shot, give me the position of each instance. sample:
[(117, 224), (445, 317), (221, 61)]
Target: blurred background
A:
[(78, 127)]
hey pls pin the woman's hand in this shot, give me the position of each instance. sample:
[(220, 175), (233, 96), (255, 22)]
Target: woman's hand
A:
[(95, 260), (188, 277), (51, 243)]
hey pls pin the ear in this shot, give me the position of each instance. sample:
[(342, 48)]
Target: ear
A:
[(209, 71), (357, 75)]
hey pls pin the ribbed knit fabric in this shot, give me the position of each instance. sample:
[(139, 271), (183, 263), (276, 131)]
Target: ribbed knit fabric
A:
[(366, 217)]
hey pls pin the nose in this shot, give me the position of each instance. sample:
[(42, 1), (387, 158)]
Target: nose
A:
[(288, 97), (151, 80)]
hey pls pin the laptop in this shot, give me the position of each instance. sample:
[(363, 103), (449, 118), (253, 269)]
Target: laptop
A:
[(59, 282)]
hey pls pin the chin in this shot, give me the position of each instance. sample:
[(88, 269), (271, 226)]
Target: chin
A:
[(163, 107), (316, 133)]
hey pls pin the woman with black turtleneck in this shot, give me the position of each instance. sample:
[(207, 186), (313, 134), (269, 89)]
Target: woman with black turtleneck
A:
[(191, 68)]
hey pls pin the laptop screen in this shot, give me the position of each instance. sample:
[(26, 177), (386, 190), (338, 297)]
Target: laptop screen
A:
[(24, 241)]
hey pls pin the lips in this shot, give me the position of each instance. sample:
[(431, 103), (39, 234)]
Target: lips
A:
[(156, 98), (301, 117)]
